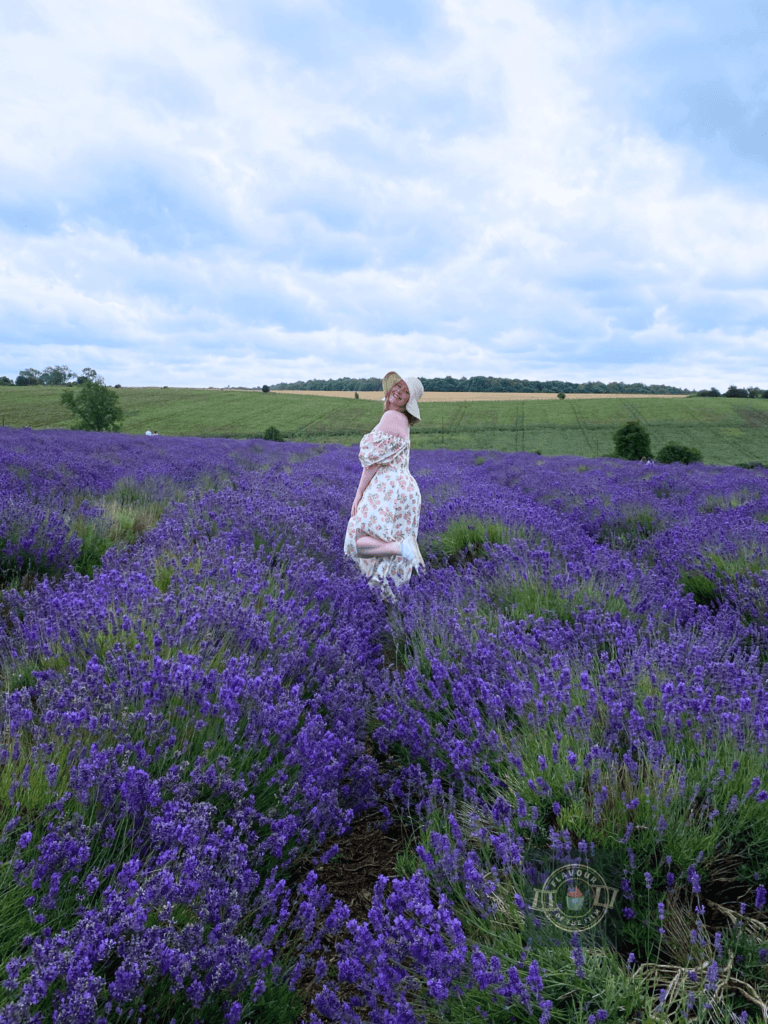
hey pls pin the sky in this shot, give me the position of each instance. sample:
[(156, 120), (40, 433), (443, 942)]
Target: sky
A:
[(198, 192)]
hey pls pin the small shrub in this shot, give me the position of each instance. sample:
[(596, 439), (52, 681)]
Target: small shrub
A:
[(465, 539), (273, 434), (265, 389), (356, 395), (629, 530), (632, 441), (704, 590), (561, 396), (674, 452)]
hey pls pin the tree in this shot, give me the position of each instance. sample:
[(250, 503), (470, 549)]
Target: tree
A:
[(5, 381), (89, 374), (28, 377), (56, 375), (734, 392), (632, 441), (94, 405), (273, 434), (265, 389), (561, 396), (674, 452)]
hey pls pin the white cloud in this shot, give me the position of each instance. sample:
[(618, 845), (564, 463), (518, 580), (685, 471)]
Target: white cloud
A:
[(204, 198)]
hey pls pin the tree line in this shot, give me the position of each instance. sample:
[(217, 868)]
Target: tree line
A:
[(732, 392), (61, 375), (51, 375), (516, 384), (508, 384)]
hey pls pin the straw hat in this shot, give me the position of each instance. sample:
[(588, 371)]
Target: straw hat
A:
[(415, 387)]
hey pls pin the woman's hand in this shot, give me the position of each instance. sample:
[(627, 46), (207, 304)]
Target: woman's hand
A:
[(355, 503)]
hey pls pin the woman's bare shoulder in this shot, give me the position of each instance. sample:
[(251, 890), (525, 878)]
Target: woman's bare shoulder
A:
[(394, 422)]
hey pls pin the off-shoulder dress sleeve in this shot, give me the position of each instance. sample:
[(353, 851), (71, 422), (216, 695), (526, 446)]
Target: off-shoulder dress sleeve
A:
[(379, 448)]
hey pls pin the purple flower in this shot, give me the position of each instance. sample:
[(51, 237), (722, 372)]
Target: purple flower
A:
[(577, 955), (712, 974), (24, 840), (533, 981)]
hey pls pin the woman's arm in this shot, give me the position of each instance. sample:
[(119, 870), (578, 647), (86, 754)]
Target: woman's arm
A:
[(369, 472)]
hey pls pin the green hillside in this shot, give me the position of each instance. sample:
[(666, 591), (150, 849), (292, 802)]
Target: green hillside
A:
[(725, 430)]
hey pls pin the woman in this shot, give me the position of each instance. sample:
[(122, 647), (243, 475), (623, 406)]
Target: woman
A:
[(382, 530)]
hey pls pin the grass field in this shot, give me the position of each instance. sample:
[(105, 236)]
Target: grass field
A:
[(726, 431)]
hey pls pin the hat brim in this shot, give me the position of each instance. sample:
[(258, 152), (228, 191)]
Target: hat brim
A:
[(416, 390)]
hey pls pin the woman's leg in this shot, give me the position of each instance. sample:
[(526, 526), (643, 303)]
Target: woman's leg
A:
[(372, 547)]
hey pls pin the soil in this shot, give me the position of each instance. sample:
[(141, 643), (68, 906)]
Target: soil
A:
[(366, 851)]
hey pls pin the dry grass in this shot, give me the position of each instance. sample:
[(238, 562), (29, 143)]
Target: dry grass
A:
[(669, 986), (468, 396)]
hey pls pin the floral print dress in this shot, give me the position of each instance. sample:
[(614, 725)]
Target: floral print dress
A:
[(389, 508)]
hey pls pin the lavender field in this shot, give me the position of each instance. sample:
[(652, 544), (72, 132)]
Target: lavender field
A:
[(237, 786)]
